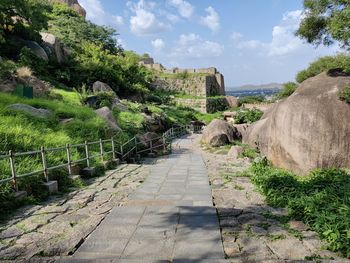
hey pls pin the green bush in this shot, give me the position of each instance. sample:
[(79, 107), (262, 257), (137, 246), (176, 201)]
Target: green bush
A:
[(248, 116), (7, 68), (287, 90), (250, 100), (29, 59), (345, 94), (321, 200), (341, 61)]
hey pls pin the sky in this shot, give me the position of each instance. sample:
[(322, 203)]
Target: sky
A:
[(248, 41)]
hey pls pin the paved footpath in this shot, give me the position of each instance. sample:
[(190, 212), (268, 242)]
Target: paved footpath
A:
[(170, 218)]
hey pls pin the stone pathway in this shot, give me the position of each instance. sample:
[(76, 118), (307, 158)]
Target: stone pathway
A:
[(43, 232), (170, 218)]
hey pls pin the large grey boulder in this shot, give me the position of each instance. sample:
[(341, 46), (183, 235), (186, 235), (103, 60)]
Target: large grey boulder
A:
[(41, 113), (100, 86), (106, 114), (308, 130), (36, 49), (54, 45), (219, 133)]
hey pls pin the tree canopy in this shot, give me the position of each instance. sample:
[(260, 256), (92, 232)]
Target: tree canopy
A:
[(326, 21), (23, 17)]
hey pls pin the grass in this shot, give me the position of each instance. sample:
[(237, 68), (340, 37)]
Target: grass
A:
[(22, 132), (321, 200), (70, 97)]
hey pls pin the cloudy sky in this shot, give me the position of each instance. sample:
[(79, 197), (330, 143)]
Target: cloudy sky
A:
[(249, 41)]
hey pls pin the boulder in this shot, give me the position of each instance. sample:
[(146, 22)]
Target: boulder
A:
[(106, 114), (234, 152), (219, 133), (308, 130), (157, 141), (154, 122), (36, 49), (99, 86), (54, 45), (232, 101), (75, 5), (41, 113), (242, 129), (146, 137)]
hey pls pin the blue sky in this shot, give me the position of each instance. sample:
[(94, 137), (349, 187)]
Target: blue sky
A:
[(249, 41)]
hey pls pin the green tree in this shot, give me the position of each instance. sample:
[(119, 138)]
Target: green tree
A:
[(23, 17), (72, 29), (326, 21)]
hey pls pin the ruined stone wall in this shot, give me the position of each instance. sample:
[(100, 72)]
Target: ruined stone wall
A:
[(200, 86), (208, 105)]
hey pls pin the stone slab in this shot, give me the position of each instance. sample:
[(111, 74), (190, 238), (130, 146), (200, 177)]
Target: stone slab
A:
[(51, 186)]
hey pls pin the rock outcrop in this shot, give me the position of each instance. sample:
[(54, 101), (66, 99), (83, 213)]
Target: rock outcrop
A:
[(308, 130), (106, 114), (35, 112), (100, 86), (75, 5), (219, 133), (55, 46), (36, 49)]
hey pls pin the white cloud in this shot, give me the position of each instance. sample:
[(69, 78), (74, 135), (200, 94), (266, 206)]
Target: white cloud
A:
[(144, 21), (235, 36), (158, 44), (96, 13), (283, 41), (184, 8), (193, 46), (212, 20)]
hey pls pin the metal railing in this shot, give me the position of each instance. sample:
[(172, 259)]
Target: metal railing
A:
[(124, 151)]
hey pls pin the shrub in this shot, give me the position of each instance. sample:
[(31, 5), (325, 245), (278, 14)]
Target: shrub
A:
[(321, 200), (248, 116), (287, 90), (29, 59), (341, 61), (250, 100), (345, 94), (7, 68)]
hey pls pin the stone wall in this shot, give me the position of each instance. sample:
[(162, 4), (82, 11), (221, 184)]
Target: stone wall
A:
[(206, 105), (201, 86)]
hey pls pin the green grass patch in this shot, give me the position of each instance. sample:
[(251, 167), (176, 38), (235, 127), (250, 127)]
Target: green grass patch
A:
[(321, 200)]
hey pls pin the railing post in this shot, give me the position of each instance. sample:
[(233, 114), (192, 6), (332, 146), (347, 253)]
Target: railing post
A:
[(101, 150), (122, 152), (164, 143), (113, 149), (69, 159), (87, 154), (43, 158), (151, 145), (13, 170), (135, 144)]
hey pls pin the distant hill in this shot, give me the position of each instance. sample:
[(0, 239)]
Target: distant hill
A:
[(257, 87)]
